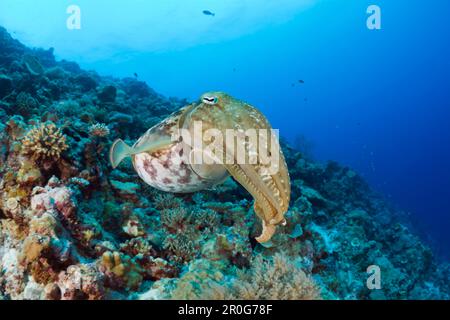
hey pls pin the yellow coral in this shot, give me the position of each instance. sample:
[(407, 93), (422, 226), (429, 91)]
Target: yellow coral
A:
[(28, 173), (33, 246), (88, 235), (123, 267), (44, 142)]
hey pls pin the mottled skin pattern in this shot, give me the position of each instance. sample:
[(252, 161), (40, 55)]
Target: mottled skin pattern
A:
[(169, 168)]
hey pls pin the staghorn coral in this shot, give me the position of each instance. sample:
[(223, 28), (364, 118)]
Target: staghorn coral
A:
[(44, 142)]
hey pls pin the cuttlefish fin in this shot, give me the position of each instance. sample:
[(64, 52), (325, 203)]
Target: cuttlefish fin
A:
[(120, 150)]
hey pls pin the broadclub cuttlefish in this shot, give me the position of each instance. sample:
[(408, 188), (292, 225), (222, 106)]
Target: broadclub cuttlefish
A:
[(171, 157)]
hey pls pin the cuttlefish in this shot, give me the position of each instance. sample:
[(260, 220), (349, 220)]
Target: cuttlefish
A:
[(171, 157)]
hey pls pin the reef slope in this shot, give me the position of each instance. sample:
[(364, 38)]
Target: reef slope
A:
[(71, 227)]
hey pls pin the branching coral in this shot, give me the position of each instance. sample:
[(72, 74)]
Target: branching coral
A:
[(206, 219), (44, 142), (181, 247), (277, 279), (99, 130), (167, 201), (175, 220)]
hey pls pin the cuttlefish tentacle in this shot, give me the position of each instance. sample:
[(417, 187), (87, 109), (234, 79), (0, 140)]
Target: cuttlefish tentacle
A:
[(271, 191)]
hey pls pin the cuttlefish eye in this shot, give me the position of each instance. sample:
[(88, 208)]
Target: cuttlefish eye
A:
[(210, 100)]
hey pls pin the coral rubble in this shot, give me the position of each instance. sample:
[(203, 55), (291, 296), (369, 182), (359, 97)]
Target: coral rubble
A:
[(71, 227)]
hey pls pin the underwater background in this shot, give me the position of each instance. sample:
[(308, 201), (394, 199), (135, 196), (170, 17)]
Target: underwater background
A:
[(363, 115)]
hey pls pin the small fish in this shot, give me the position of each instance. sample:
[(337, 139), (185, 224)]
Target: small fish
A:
[(301, 81), (208, 13), (135, 75)]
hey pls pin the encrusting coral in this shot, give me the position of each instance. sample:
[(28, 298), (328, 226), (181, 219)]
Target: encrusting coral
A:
[(72, 227), (121, 270)]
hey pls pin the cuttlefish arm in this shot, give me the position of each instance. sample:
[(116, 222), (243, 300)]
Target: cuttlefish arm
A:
[(270, 188)]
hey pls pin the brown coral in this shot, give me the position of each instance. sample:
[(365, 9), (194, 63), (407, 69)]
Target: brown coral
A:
[(44, 142)]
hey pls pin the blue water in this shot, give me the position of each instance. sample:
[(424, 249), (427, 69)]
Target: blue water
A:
[(376, 100)]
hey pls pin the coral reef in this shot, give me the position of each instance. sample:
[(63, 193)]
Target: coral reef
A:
[(72, 227), (44, 141)]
